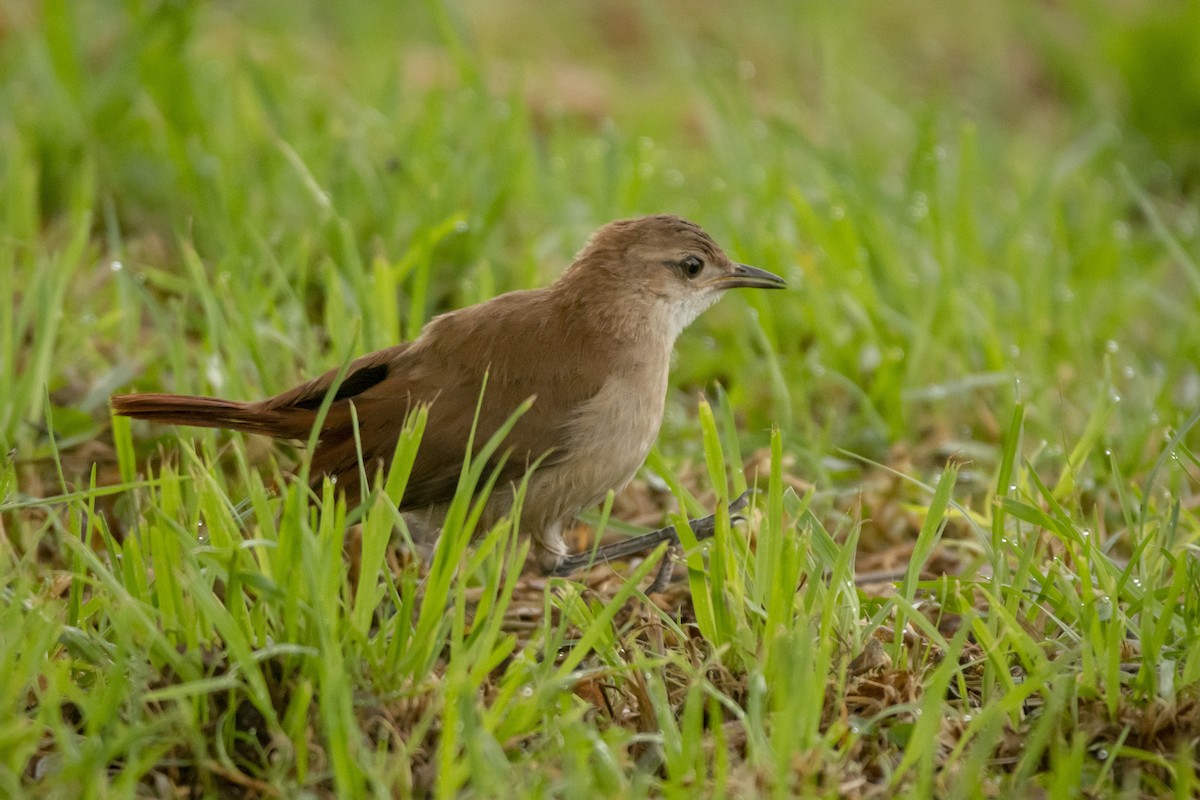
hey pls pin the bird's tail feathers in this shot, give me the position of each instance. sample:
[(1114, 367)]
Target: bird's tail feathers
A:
[(212, 412)]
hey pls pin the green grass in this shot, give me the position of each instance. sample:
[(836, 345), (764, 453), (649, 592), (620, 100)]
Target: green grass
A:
[(984, 378)]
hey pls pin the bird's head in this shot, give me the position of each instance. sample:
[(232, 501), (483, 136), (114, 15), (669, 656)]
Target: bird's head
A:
[(664, 262)]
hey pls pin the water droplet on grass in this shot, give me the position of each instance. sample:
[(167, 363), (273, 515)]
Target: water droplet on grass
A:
[(918, 209)]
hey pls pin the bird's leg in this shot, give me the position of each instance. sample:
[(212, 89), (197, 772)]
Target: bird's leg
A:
[(703, 527), (665, 571)]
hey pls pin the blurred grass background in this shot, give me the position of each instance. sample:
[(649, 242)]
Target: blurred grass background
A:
[(976, 205)]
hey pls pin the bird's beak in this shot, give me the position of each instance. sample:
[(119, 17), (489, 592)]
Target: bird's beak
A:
[(750, 278)]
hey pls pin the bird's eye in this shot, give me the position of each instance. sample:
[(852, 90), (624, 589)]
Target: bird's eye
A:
[(691, 266)]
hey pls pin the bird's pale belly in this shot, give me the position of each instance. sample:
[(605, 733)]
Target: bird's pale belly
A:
[(612, 436)]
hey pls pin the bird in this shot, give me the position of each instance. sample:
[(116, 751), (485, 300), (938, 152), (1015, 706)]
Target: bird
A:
[(591, 352)]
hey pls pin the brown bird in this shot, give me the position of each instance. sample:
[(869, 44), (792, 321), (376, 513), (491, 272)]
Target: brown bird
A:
[(592, 349)]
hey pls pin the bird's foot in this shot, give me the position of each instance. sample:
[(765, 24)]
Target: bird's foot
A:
[(703, 528)]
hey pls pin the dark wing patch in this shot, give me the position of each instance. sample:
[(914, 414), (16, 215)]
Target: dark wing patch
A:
[(355, 384)]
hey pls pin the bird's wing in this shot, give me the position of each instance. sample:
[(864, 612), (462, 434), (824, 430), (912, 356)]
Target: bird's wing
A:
[(458, 408), (444, 370)]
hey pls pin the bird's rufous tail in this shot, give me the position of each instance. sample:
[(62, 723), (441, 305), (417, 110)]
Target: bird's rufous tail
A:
[(211, 412)]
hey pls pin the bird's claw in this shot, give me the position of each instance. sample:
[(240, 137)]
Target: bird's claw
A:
[(703, 528)]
